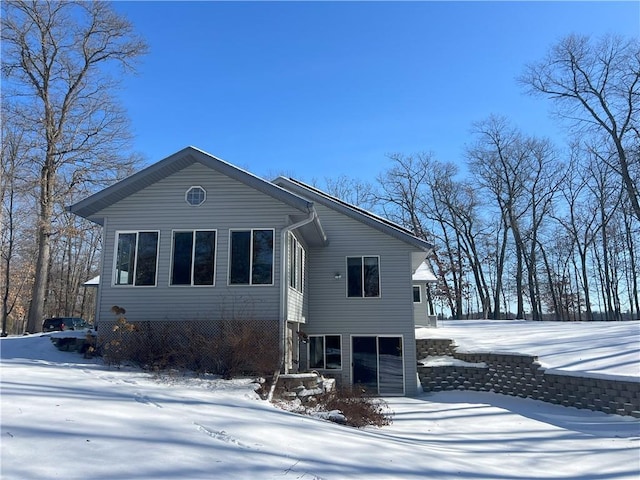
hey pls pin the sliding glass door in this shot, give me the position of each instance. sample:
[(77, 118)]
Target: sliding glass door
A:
[(378, 364)]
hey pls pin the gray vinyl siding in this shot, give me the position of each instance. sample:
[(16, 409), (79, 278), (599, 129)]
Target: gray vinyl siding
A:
[(154, 200), (420, 309), (331, 312), (229, 205)]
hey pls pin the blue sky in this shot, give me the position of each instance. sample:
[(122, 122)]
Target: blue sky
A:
[(324, 89)]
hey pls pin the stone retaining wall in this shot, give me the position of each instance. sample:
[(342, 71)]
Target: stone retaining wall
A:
[(303, 385), (433, 347), (522, 376)]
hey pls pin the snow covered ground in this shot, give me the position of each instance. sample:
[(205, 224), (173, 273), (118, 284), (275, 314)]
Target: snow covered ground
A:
[(611, 348), (68, 417)]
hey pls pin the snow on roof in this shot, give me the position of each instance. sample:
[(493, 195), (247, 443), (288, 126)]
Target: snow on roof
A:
[(94, 282), (424, 273)]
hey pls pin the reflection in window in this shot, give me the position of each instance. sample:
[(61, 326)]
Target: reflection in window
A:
[(193, 257), (417, 297), (251, 261), (196, 196), (136, 258), (325, 352), (296, 263), (363, 277)]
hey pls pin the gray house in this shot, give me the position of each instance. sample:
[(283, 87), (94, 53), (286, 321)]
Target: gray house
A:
[(423, 311), (196, 240)]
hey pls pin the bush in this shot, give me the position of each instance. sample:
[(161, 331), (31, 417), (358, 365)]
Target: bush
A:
[(119, 347), (359, 409), (349, 406), (237, 348)]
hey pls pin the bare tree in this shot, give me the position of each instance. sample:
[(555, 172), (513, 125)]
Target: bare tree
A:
[(11, 160), (423, 195), (351, 190), (544, 174), (60, 62), (607, 198), (596, 85), (401, 198), (461, 203), (402, 188), (559, 260), (74, 260), (435, 205), (499, 159), (632, 274), (579, 218)]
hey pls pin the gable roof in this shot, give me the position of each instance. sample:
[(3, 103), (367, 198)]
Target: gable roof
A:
[(424, 273), (294, 193), (91, 206), (357, 213)]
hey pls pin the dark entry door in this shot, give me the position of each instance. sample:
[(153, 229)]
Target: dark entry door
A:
[(378, 364)]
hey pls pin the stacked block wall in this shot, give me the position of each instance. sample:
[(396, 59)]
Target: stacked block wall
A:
[(522, 376)]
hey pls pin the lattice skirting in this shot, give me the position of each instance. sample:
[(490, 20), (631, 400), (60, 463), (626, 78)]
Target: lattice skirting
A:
[(228, 347)]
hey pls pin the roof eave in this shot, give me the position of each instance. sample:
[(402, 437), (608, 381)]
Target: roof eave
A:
[(352, 211), (90, 206)]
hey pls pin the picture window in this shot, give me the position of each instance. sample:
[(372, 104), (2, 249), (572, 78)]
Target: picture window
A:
[(193, 260), (251, 257), (136, 259)]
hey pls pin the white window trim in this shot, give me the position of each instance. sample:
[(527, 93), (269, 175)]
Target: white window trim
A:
[(292, 266), (346, 264), (298, 253), (419, 293), (273, 263), (324, 353), (302, 270), (377, 336), (193, 252), (186, 195), (135, 265)]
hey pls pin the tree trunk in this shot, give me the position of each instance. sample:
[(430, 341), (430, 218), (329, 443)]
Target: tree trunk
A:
[(500, 270), (629, 185), (632, 276), (456, 300), (549, 272), (7, 257), (39, 290)]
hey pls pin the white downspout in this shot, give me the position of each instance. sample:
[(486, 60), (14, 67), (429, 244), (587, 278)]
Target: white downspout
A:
[(284, 285)]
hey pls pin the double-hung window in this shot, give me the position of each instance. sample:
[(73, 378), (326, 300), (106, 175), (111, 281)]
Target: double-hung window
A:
[(136, 261), (363, 276), (417, 294), (193, 261), (325, 352), (251, 257), (296, 263)]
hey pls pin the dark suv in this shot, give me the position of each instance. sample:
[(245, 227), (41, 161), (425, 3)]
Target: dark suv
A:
[(64, 323)]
